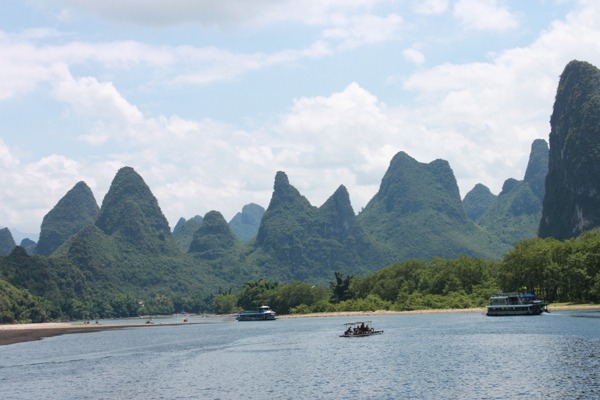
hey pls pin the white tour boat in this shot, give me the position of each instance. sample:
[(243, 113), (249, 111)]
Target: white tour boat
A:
[(514, 303)]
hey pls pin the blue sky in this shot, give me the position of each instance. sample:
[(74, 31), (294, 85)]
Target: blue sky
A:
[(207, 100)]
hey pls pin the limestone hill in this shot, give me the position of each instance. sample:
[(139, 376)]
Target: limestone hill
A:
[(572, 199), (418, 212), (75, 210)]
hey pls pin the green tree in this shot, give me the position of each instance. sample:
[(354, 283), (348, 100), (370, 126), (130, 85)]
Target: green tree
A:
[(224, 304)]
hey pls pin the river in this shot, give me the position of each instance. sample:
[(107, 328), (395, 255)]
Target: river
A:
[(429, 356)]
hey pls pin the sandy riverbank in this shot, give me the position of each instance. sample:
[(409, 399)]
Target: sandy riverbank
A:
[(18, 333)]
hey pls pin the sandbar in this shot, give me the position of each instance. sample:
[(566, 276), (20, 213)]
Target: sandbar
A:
[(17, 333)]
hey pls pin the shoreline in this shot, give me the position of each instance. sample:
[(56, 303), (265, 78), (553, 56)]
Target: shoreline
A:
[(18, 333), (413, 312)]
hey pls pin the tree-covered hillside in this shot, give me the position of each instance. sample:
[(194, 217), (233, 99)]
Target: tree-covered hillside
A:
[(130, 248), (75, 210), (477, 201), (183, 233), (418, 212), (7, 243), (298, 241)]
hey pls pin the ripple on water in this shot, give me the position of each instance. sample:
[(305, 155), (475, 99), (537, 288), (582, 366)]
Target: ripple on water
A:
[(450, 356)]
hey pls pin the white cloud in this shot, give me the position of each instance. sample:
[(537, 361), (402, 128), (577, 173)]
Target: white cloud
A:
[(223, 14), (364, 29), (481, 117), (226, 65), (30, 190), (414, 55), (25, 65), (484, 15), (430, 6), (496, 109)]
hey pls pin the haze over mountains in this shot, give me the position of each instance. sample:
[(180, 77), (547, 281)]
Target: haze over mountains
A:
[(126, 245)]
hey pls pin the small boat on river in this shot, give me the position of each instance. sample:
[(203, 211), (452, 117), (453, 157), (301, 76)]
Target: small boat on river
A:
[(359, 329), (262, 313), (514, 303)]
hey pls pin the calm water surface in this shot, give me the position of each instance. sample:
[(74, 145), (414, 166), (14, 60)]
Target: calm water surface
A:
[(443, 356)]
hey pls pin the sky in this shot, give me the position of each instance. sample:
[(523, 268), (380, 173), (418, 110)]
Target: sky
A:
[(207, 100)]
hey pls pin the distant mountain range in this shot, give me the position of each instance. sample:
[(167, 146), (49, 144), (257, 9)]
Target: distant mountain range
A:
[(126, 245), (514, 214), (18, 236)]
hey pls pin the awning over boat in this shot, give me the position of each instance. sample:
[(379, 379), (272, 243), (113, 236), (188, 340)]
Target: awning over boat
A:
[(528, 296)]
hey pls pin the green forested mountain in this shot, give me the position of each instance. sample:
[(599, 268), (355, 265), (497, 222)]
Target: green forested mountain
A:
[(298, 241), (418, 212), (7, 243), (130, 248), (29, 245), (19, 305), (477, 201), (516, 213), (245, 224), (411, 247), (215, 245), (183, 233), (572, 199), (130, 213), (75, 210), (214, 238), (56, 280)]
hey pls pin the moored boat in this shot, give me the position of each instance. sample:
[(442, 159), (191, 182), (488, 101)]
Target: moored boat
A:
[(359, 329), (262, 313), (514, 303)]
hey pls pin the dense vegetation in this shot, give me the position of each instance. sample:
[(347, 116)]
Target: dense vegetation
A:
[(557, 271)]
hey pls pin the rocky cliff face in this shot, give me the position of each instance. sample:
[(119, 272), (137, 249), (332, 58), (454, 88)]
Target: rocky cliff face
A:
[(572, 199), (75, 210)]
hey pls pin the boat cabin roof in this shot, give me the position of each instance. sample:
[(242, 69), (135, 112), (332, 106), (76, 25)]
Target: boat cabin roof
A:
[(356, 323)]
